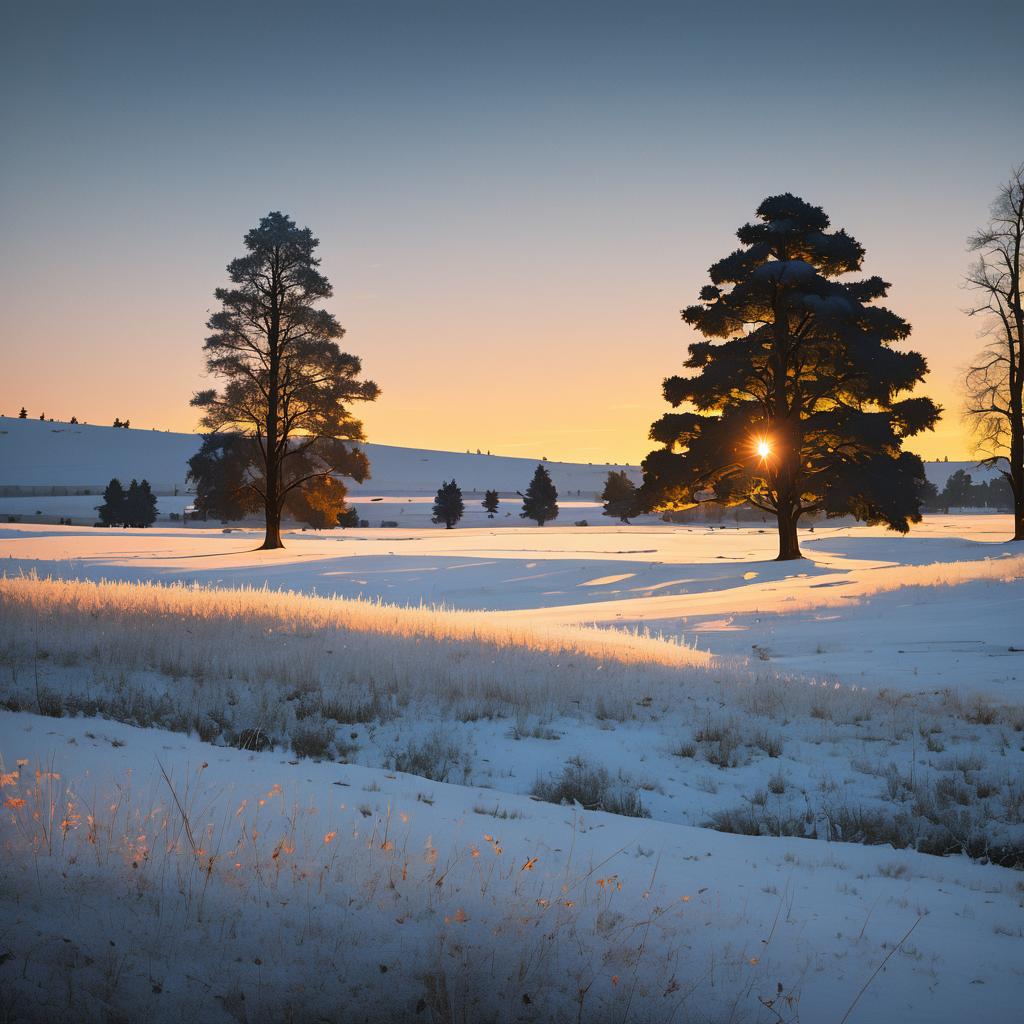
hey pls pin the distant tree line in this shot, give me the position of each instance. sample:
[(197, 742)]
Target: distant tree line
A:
[(960, 491), (135, 507)]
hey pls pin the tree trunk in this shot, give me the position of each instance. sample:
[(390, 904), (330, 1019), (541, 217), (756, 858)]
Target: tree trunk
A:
[(1017, 465), (272, 479), (789, 544), (272, 539)]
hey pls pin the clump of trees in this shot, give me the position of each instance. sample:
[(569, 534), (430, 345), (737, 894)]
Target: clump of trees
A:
[(619, 496), (490, 502), (540, 502), (118, 423), (995, 381), (960, 491), (448, 504), (281, 426), (135, 507), (798, 400)]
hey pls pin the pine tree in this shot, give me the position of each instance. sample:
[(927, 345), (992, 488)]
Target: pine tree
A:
[(135, 505), (957, 492), (147, 505), (287, 383), (23, 415), (42, 417), (448, 505), (797, 389), (112, 511), (540, 502), (490, 503), (117, 422), (619, 496), (74, 419)]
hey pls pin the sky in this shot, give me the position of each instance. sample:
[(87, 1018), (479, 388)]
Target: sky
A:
[(514, 200)]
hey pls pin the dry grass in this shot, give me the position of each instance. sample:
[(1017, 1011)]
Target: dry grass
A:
[(276, 909)]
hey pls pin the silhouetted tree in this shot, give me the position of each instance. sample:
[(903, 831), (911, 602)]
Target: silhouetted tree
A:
[(957, 492), (287, 383), (619, 496), (929, 495), (112, 511), (350, 517), (490, 503), (74, 419), (448, 505), (540, 502), (42, 416), (139, 505), (117, 422), (995, 382), (23, 415), (797, 397)]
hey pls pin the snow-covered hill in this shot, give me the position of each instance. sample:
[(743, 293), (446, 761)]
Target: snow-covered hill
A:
[(38, 454)]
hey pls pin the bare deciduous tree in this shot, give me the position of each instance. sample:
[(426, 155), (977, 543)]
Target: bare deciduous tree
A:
[(995, 381)]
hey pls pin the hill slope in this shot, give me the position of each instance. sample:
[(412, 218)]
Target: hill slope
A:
[(36, 454)]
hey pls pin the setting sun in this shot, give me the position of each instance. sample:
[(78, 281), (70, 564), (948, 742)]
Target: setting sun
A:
[(764, 449)]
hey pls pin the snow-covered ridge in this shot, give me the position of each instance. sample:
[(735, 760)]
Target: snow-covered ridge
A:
[(38, 454)]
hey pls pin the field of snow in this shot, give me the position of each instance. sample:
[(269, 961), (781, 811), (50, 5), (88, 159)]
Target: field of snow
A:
[(938, 608), (149, 876), (603, 773)]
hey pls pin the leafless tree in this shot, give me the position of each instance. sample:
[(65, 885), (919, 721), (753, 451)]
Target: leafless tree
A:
[(995, 380)]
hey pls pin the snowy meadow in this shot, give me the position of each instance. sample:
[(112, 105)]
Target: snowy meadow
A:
[(613, 790)]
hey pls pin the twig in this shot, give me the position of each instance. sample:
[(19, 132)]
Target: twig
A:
[(864, 987)]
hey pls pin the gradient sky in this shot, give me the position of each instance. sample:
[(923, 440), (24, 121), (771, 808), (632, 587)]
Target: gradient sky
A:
[(514, 199)]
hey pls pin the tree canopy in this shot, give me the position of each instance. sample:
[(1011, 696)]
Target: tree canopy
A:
[(797, 401), (287, 386)]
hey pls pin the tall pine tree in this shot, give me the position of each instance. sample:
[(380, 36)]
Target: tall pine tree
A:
[(540, 502), (797, 397), (287, 384), (490, 503), (448, 504)]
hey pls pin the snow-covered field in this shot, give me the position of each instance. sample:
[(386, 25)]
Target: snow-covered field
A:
[(149, 876), (324, 783), (866, 606)]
